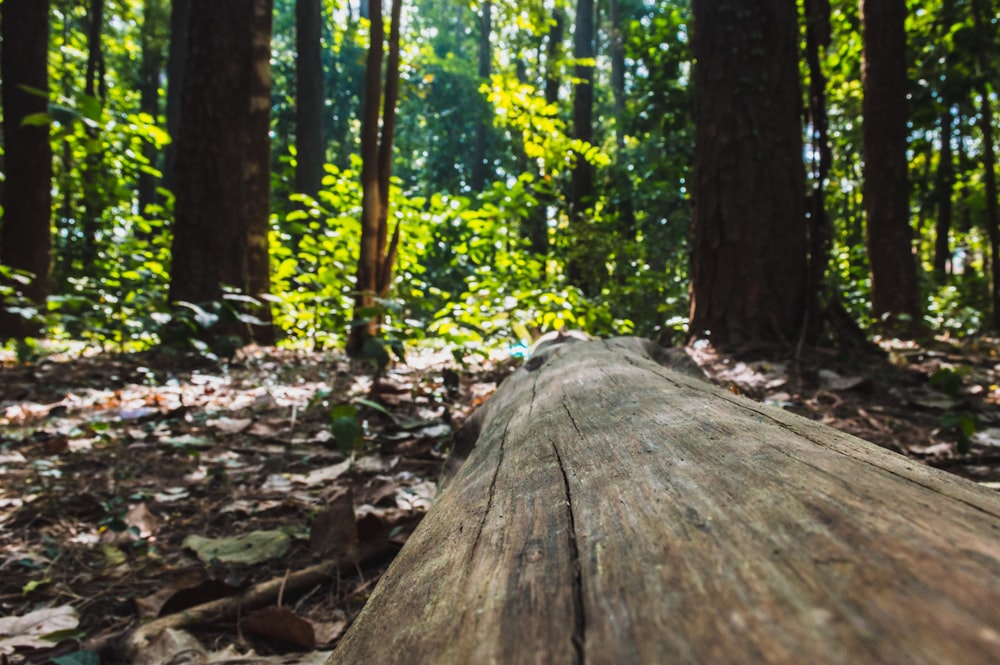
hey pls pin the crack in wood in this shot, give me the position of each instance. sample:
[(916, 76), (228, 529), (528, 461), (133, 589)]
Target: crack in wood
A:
[(579, 616), (492, 493)]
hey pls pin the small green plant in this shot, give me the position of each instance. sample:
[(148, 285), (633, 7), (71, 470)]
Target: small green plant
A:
[(960, 423), (346, 428), (212, 329)]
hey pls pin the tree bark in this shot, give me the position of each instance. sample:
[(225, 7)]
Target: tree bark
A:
[(309, 97), (25, 229), (943, 190), (378, 252), (479, 165), (93, 171), (582, 268), (223, 170), (895, 295), (817, 15), (623, 181), (149, 91), (364, 323), (989, 163), (614, 511), (536, 224), (180, 18), (749, 239), (256, 169)]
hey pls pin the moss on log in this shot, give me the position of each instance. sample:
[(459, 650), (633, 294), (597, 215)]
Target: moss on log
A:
[(615, 511)]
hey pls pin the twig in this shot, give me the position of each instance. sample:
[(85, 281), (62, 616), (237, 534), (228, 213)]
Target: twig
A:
[(259, 595)]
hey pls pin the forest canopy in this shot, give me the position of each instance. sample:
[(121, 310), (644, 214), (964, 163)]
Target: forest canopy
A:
[(322, 173)]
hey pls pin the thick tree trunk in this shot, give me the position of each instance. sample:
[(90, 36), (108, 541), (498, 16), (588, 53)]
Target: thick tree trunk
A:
[(309, 97), (256, 169), (895, 295), (180, 18), (614, 511), (223, 170), (749, 244), (25, 230)]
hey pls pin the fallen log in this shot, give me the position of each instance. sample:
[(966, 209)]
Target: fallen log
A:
[(613, 511)]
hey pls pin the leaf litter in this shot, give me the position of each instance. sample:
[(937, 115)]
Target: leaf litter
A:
[(215, 503), (152, 505)]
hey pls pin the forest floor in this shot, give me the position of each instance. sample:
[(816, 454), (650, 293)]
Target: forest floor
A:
[(217, 498)]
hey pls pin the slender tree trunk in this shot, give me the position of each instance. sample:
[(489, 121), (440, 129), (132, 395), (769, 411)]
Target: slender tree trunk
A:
[(388, 132), (378, 253), (25, 229), (944, 187), (365, 325), (820, 231), (895, 295), (749, 242), (989, 162), (582, 268), (180, 17), (479, 165), (95, 87), (310, 102), (623, 203), (536, 227), (223, 170), (149, 91)]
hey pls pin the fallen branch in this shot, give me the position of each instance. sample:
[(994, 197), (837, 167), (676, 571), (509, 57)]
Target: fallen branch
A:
[(259, 595)]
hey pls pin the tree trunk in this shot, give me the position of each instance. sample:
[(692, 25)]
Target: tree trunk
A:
[(365, 325), (536, 224), (309, 102), (149, 91), (895, 295), (378, 252), (582, 268), (479, 164), (944, 187), (223, 170), (25, 229), (817, 14), (614, 511), (180, 18), (623, 180), (96, 88), (989, 164), (749, 244), (256, 170)]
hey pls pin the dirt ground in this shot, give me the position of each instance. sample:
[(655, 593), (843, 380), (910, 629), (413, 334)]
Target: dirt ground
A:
[(245, 511)]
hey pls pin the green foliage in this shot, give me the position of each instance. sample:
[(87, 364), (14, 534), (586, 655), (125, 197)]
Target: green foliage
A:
[(466, 273), (213, 329), (346, 428)]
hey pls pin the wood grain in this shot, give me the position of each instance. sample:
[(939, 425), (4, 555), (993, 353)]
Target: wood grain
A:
[(616, 511)]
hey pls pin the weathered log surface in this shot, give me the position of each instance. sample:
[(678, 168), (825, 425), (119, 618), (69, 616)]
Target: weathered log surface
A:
[(613, 512)]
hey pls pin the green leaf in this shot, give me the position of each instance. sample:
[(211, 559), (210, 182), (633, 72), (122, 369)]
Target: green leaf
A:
[(345, 428), (36, 120)]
